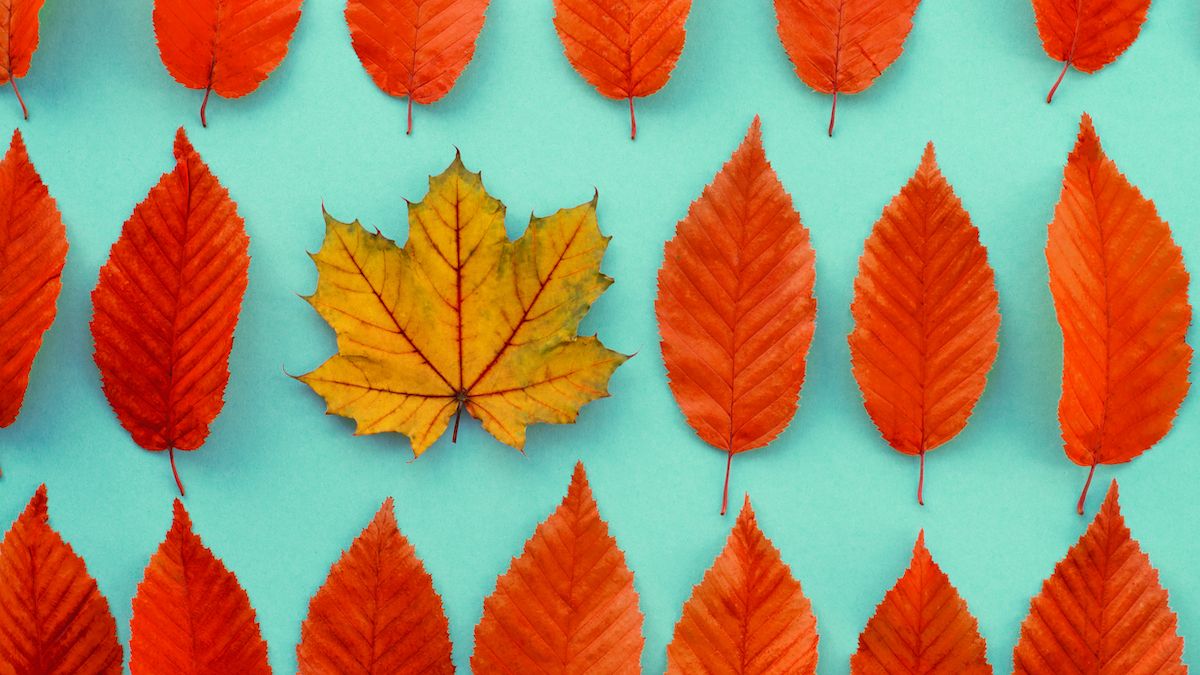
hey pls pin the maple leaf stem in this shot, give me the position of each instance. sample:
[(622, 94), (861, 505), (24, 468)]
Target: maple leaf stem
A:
[(24, 111), (632, 121), (833, 114), (725, 491), (1083, 495), (204, 108), (175, 471), (1050, 96), (921, 482), (457, 417), (408, 131)]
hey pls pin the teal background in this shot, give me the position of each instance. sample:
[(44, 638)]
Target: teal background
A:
[(280, 489)]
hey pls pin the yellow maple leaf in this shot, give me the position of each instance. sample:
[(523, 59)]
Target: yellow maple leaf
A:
[(461, 318)]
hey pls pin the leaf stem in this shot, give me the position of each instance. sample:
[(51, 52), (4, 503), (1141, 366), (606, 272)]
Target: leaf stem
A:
[(725, 491), (204, 108), (921, 482), (457, 417), (408, 131), (833, 113), (24, 110), (1050, 96), (632, 121), (1083, 495), (175, 471)]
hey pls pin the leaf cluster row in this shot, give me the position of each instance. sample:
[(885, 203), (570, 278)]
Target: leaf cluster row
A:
[(566, 604)]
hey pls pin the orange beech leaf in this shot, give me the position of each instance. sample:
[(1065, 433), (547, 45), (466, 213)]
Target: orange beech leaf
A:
[(166, 305), (623, 48), (34, 245), (377, 613), (1087, 34), (415, 48), (922, 627), (735, 306), (226, 46), (925, 317), (841, 46), (52, 617), (19, 35), (748, 615), (190, 615), (567, 604), (1102, 611), (1121, 294)]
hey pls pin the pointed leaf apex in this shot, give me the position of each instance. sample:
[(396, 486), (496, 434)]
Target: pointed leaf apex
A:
[(18, 141), (180, 517), (38, 504), (183, 145), (1112, 499), (929, 156), (386, 515), (754, 135), (1088, 143)]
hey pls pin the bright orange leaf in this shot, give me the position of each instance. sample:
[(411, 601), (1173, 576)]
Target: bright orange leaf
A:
[(415, 48), (190, 615), (377, 613), (925, 317), (748, 616), (567, 604), (462, 318), (1102, 611), (735, 306), (166, 305), (1087, 34), (52, 617), (922, 627), (19, 37), (623, 48), (841, 46), (34, 245), (226, 46), (1121, 293)]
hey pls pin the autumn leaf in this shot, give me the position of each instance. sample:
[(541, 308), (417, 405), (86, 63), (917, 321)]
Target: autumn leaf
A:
[(377, 613), (567, 604), (626, 49), (735, 306), (166, 305), (223, 46), (841, 46), (52, 616), (461, 318), (33, 250), (1087, 35), (190, 615), (748, 616), (925, 317), (1121, 294), (415, 48), (19, 35), (1103, 609), (922, 627)]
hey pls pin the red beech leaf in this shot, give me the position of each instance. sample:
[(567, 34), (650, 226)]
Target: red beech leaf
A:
[(922, 627), (19, 35), (735, 306), (166, 306), (377, 613), (925, 317), (841, 46), (567, 604), (415, 48), (1087, 34), (190, 615), (748, 615), (1102, 611), (623, 48), (1121, 294), (52, 616), (34, 245), (223, 46)]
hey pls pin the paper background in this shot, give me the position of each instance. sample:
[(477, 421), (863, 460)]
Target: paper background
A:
[(279, 489)]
